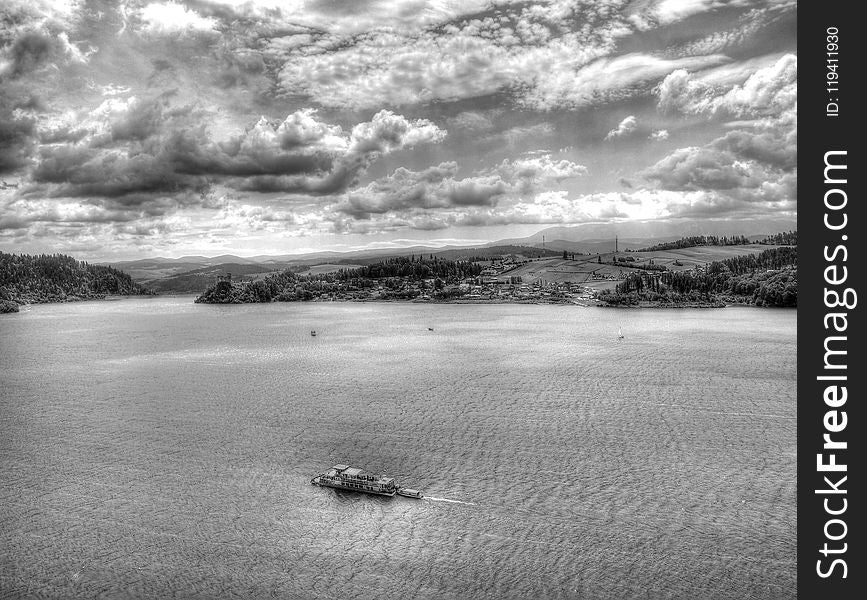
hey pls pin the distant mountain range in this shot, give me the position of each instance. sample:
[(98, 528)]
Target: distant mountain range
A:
[(193, 273)]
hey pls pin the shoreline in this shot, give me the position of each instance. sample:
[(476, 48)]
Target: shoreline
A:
[(471, 301)]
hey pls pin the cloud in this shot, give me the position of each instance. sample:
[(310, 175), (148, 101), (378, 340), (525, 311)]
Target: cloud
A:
[(696, 168), (770, 90), (656, 13), (412, 194), (388, 131), (503, 51), (754, 169), (171, 17), (432, 188), (172, 151), (519, 135), (527, 174), (17, 141), (558, 207), (471, 121), (608, 79), (136, 151), (29, 52), (626, 127)]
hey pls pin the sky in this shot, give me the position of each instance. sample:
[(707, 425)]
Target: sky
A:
[(138, 129)]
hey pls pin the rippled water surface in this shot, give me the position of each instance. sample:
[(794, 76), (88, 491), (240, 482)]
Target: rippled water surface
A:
[(157, 448)]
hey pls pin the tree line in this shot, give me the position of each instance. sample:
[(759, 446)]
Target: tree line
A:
[(698, 240), (415, 268), (786, 238)]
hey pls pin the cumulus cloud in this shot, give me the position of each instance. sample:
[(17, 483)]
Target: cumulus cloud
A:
[(766, 91), (388, 131), (745, 166), (171, 17), (529, 173), (415, 194), (137, 151), (432, 188), (626, 127), (659, 135)]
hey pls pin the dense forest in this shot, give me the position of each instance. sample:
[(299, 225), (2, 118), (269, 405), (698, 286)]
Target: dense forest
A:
[(58, 278), (769, 278), (288, 286), (472, 254), (787, 238), (413, 268)]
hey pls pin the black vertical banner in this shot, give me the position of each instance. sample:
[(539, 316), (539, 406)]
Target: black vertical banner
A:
[(831, 372)]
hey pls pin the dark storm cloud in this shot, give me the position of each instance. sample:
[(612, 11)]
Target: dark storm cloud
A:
[(474, 192), (192, 153), (90, 173), (30, 51), (17, 140), (148, 149), (24, 53), (342, 176)]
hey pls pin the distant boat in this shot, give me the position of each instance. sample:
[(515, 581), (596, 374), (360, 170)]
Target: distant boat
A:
[(313, 333), (620, 333), (430, 328), (344, 477)]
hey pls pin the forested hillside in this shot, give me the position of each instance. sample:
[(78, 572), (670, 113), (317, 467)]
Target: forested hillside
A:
[(769, 278), (59, 278)]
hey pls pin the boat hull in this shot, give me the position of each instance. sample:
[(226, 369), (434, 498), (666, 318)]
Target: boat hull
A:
[(410, 493)]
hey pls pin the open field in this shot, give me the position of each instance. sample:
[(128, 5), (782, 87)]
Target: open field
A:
[(328, 268), (588, 271)]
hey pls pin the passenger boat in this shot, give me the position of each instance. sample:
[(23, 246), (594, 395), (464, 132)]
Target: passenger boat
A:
[(344, 477), (409, 492)]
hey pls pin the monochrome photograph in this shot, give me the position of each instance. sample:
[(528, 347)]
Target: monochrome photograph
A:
[(430, 299)]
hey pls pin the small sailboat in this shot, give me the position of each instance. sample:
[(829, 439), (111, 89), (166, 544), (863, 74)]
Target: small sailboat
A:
[(620, 333), (313, 333)]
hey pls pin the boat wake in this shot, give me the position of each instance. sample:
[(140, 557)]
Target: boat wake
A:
[(433, 499)]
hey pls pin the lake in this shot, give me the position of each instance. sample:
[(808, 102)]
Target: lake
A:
[(159, 448)]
